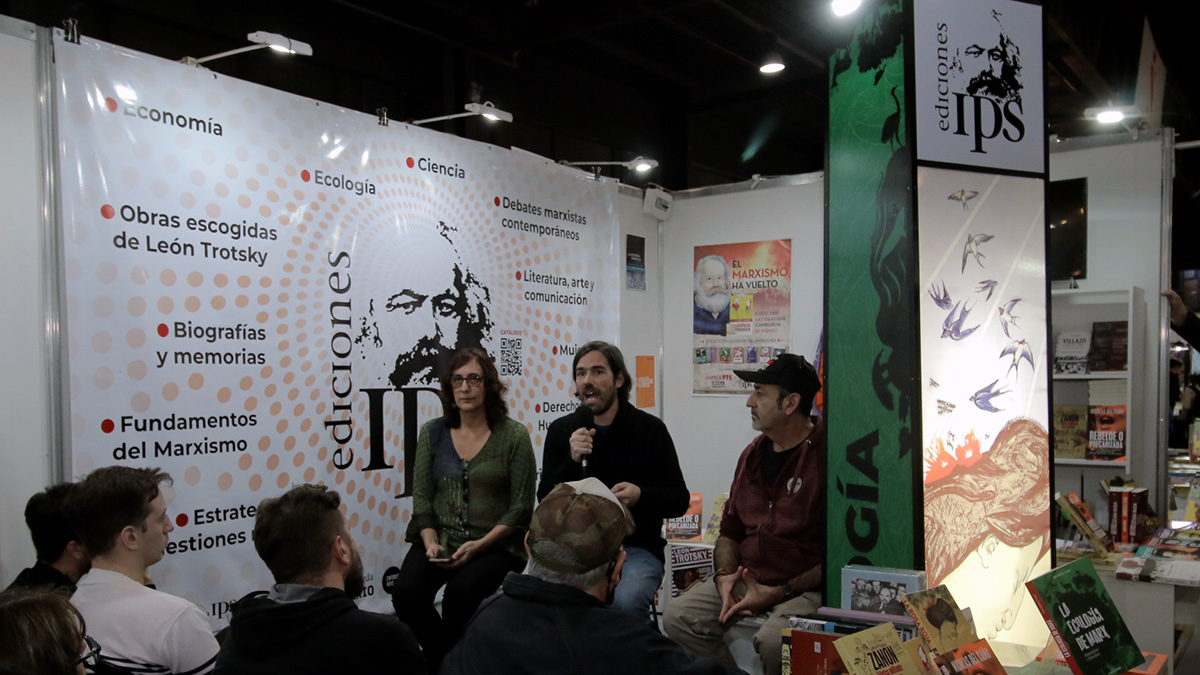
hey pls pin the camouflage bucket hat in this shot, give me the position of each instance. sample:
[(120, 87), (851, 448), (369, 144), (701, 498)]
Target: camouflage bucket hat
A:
[(578, 527)]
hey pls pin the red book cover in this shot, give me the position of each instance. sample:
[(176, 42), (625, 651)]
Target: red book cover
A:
[(1125, 517), (814, 653)]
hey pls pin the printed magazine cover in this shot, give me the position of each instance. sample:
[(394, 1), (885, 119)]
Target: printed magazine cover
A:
[(878, 589), (687, 526), (689, 563), (976, 658)]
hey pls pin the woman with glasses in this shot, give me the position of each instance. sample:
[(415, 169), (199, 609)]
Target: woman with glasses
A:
[(473, 491), (42, 633)]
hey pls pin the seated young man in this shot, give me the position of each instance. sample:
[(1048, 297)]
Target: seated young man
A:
[(308, 622), (121, 517)]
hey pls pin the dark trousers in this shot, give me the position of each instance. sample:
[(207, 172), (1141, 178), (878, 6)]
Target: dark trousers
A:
[(466, 587)]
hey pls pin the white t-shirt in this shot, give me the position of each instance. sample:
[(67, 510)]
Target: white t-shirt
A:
[(144, 630)]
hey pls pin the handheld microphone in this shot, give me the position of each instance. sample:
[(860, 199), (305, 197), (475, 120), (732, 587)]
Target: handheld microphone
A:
[(587, 420)]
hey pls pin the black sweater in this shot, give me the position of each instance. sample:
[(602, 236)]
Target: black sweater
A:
[(327, 633), (635, 448)]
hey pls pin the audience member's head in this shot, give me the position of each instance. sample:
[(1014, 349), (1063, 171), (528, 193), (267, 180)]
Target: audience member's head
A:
[(575, 536), (42, 633), (120, 511), (53, 537), (302, 537)]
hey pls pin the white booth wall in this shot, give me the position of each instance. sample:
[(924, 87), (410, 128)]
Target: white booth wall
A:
[(1128, 244), (25, 452), (710, 431)]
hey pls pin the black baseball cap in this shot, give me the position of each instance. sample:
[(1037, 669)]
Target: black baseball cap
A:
[(789, 372)]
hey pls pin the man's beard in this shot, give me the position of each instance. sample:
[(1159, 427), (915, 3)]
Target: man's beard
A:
[(997, 87), (715, 303), (354, 582), (423, 365), (603, 403)]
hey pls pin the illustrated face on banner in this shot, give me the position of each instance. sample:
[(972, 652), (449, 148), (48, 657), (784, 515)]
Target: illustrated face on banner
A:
[(989, 60), (712, 284), (425, 310)]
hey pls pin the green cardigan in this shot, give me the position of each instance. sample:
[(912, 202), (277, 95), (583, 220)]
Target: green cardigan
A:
[(498, 482)]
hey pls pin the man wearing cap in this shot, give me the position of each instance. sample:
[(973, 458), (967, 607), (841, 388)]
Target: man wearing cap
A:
[(772, 542), (554, 618)]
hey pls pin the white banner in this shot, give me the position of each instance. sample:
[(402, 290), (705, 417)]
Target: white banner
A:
[(979, 94), (251, 276)]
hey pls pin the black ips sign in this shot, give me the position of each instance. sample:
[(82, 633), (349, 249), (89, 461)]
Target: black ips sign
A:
[(978, 77)]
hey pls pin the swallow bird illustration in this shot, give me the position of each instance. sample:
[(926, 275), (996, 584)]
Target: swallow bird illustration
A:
[(952, 327), (988, 285), (1018, 350), (1007, 318), (941, 298), (971, 248), (963, 196), (983, 398)]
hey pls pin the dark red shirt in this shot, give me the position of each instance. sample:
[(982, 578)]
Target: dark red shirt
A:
[(780, 528)]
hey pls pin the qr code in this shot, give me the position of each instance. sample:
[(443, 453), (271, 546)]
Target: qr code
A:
[(510, 357)]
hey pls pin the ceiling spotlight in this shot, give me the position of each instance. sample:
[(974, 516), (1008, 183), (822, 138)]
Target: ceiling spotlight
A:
[(772, 64), (639, 164), (844, 7), (485, 110), (1111, 114), (261, 40)]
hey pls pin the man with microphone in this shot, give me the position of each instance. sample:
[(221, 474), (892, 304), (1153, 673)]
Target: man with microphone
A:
[(631, 452)]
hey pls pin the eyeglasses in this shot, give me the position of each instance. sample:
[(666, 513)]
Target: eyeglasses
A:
[(473, 380), (93, 650)]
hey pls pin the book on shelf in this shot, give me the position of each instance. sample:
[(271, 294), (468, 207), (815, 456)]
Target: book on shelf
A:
[(713, 529), (1128, 511), (1070, 431), (1106, 432), (1077, 511), (687, 526), (1159, 571), (1071, 350), (976, 658), (1084, 621), (875, 651), (878, 589), (1110, 346), (689, 563), (939, 620)]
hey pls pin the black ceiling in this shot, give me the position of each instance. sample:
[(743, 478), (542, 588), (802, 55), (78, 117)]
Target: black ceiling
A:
[(588, 79)]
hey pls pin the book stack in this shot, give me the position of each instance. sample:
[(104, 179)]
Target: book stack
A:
[(687, 526), (1076, 510), (1110, 346), (1106, 439), (1070, 431), (1071, 353), (1128, 511)]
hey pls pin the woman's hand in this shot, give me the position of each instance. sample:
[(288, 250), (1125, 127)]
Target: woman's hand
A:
[(433, 550), (464, 554)]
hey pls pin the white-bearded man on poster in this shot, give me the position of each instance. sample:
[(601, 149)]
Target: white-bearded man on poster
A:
[(425, 305), (710, 296)]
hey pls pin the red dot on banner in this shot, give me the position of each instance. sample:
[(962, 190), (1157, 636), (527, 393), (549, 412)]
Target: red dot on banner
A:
[(305, 176), (537, 408), (111, 104), (107, 426), (497, 200), (410, 162), (181, 520), (163, 330), (518, 276), (555, 350), (107, 211)]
